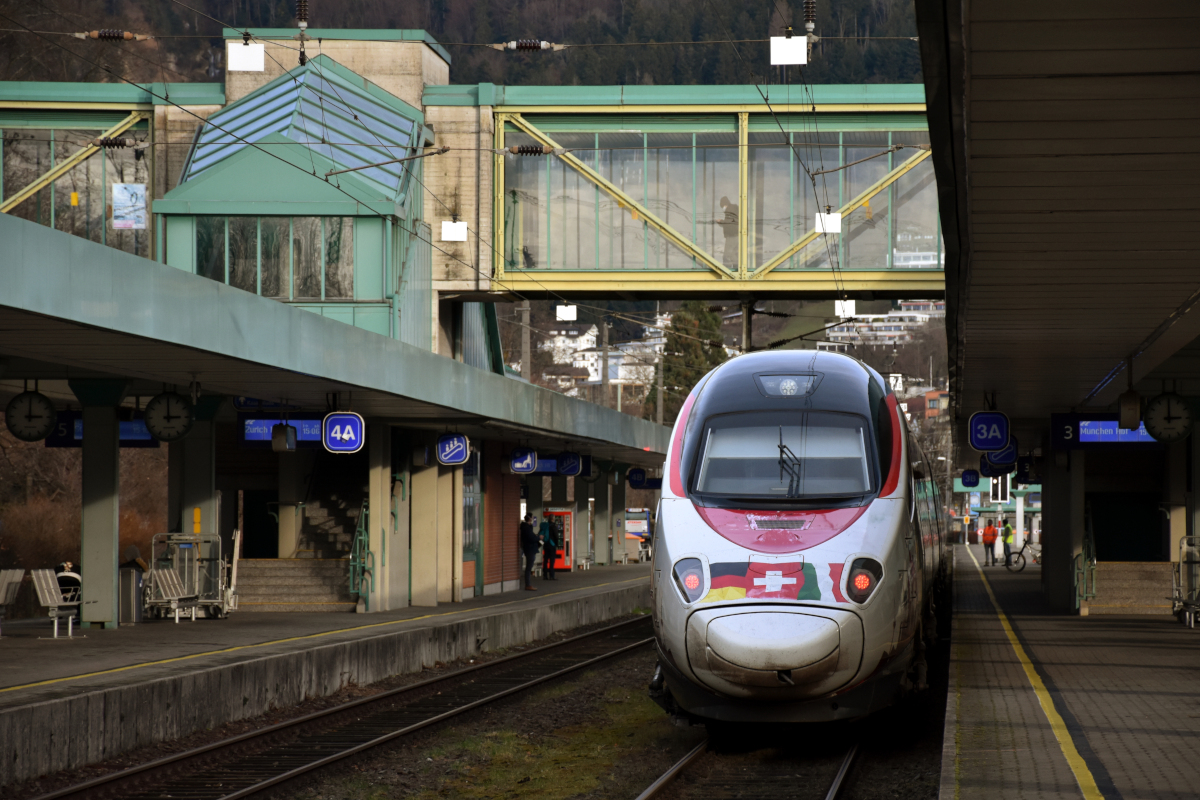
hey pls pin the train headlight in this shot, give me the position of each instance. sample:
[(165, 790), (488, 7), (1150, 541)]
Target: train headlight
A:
[(865, 574), (689, 577)]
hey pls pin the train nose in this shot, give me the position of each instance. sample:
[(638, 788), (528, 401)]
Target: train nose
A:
[(751, 652)]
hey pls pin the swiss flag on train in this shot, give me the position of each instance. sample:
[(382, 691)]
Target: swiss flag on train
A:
[(793, 580)]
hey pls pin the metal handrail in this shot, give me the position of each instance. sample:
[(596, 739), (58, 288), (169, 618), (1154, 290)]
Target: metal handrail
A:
[(1085, 567), (362, 560)]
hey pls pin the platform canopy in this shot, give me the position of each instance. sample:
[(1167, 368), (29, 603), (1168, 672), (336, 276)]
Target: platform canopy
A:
[(75, 309), (1067, 157)]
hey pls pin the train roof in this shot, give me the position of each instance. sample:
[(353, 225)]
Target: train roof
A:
[(821, 380)]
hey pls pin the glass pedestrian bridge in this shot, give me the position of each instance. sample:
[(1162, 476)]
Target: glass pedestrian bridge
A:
[(702, 189)]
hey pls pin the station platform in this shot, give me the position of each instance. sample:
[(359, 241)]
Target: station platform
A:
[(65, 703), (1060, 706)]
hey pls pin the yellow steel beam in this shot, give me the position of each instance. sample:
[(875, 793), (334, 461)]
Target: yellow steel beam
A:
[(743, 190), (66, 166), (498, 198), (845, 211), (914, 283), (643, 213), (783, 108)]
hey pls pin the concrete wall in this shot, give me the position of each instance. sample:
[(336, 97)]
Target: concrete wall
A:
[(402, 68), (174, 130), (69, 732), (459, 183)]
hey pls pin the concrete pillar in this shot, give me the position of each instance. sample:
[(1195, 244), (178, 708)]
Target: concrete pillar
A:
[(1176, 496), (379, 509), (424, 527), (400, 533), (101, 510), (445, 535), (456, 536), (292, 469), (605, 543), (1019, 527), (100, 534), (617, 518), (1062, 529)]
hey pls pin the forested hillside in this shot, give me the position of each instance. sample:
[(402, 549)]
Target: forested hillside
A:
[(621, 30)]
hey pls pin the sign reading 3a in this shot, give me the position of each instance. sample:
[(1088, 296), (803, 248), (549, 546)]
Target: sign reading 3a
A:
[(988, 431)]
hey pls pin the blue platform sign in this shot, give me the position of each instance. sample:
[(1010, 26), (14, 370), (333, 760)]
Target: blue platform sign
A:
[(970, 478), (637, 478), (569, 463), (990, 470), (1006, 456), (1025, 471), (523, 461), (343, 432), (453, 449), (988, 431)]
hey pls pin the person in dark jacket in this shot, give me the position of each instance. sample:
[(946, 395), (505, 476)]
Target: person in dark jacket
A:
[(529, 546), (549, 549)]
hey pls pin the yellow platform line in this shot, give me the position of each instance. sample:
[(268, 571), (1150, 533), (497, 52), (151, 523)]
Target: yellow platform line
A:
[(1083, 776), (176, 659)]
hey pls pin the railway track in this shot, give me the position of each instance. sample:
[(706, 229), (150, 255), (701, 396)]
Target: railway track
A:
[(720, 776), (255, 762)]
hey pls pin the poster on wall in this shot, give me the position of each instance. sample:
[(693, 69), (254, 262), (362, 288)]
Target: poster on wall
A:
[(129, 206)]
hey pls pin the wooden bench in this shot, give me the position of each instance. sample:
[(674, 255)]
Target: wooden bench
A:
[(10, 584), (60, 602)]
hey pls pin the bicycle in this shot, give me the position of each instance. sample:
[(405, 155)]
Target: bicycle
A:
[(1016, 562)]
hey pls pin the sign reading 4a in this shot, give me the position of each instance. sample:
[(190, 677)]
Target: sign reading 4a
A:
[(343, 432), (988, 431)]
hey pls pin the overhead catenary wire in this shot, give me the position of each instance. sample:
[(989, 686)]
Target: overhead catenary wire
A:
[(412, 232)]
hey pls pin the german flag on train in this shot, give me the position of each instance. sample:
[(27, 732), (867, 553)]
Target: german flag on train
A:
[(793, 580)]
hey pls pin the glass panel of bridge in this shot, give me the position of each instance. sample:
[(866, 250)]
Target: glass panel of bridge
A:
[(621, 159), (717, 196), (915, 244), (525, 180), (865, 230), (86, 219), (783, 199)]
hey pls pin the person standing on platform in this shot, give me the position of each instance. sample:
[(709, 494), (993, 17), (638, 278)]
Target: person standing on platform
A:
[(529, 546), (989, 545), (549, 550), (1006, 536)]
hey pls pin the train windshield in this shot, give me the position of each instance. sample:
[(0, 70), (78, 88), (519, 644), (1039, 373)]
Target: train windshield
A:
[(802, 455)]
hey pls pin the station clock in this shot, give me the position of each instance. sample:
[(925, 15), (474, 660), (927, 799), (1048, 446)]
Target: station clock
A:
[(169, 416), (30, 416), (1168, 418)]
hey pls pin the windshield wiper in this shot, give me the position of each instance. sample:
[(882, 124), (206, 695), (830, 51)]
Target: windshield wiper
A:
[(790, 464)]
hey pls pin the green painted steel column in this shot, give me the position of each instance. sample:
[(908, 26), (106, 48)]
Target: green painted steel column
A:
[(100, 535), (843, 176)]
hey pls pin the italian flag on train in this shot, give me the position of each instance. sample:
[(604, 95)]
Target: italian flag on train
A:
[(757, 579)]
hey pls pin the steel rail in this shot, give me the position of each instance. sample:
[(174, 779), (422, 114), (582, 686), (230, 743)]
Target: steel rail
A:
[(664, 780), (177, 763), (667, 778)]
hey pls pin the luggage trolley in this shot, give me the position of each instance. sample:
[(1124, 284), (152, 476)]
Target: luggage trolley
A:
[(187, 573), (1185, 596)]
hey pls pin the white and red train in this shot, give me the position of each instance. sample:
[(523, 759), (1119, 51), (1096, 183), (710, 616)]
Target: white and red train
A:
[(799, 545)]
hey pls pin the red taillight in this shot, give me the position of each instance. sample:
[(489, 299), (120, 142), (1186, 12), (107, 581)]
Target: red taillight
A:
[(689, 577), (865, 575)]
